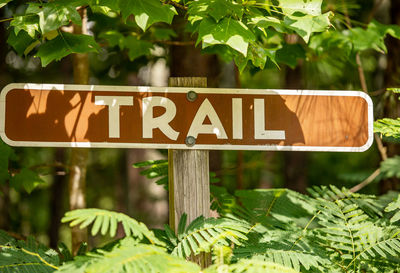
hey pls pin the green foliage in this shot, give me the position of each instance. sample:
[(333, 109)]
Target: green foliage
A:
[(158, 170), (107, 221), (65, 44), (274, 230), (251, 266), (389, 127), (240, 30), (394, 207), (29, 256), (147, 12), (391, 167), (129, 256), (26, 179), (202, 234)]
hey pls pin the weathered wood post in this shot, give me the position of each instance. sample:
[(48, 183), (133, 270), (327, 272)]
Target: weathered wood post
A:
[(189, 187)]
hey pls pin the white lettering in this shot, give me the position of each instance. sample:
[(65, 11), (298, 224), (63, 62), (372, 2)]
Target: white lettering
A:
[(259, 123), (113, 103), (162, 122), (237, 119), (197, 127)]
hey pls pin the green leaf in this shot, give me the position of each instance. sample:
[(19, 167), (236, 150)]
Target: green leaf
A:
[(305, 25), (129, 256), (105, 221), (28, 23), (103, 6), (65, 44), (147, 12), (289, 54), (113, 37), (388, 127), (20, 42), (29, 256), (53, 15), (394, 206), (268, 21), (391, 167), (6, 153), (26, 179), (217, 9), (164, 34), (311, 7), (136, 47), (258, 55), (228, 32), (4, 2)]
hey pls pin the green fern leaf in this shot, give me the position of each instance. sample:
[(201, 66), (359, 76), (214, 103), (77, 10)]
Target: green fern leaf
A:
[(129, 256), (395, 208), (106, 221), (202, 234), (251, 266), (29, 256)]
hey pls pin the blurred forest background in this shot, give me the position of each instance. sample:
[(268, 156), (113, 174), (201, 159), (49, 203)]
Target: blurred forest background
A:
[(113, 183)]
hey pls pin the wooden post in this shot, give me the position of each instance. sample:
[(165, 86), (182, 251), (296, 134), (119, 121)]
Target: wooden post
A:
[(189, 187)]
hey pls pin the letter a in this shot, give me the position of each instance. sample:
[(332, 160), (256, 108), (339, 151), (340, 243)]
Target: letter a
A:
[(197, 126)]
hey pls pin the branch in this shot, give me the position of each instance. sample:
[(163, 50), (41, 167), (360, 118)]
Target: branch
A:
[(175, 43), (366, 181), (377, 4), (363, 82), (175, 4)]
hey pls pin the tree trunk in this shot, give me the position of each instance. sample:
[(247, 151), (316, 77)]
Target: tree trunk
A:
[(57, 198), (392, 79), (295, 163), (79, 156)]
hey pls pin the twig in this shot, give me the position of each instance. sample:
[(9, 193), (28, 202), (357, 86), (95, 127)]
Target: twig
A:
[(378, 92), (374, 10), (382, 149), (175, 4), (363, 82), (175, 43), (6, 19), (361, 73), (366, 181)]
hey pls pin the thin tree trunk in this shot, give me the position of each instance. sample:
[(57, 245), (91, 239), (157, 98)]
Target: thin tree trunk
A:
[(295, 163), (4, 189), (392, 79), (57, 198), (79, 156)]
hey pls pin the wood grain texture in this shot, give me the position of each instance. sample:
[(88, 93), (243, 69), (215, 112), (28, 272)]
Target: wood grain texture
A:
[(189, 187)]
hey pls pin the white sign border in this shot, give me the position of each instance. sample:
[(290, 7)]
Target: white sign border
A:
[(74, 87)]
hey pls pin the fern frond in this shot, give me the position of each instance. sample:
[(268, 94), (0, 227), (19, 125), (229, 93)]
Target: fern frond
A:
[(368, 203), (383, 249), (29, 256), (287, 249), (394, 207), (128, 256), (202, 234), (250, 266), (155, 169), (107, 221)]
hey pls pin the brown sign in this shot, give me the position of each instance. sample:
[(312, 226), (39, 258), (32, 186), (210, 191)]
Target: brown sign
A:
[(185, 118)]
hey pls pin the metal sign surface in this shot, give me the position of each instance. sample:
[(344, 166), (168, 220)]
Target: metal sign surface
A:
[(52, 115)]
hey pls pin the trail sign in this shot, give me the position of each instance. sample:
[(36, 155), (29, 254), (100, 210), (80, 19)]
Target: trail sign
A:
[(185, 118)]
